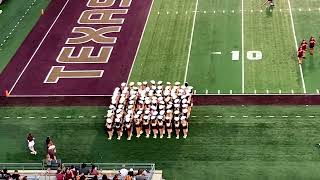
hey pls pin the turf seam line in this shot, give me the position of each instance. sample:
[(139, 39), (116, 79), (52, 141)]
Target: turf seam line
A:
[(242, 46), (296, 45), (190, 44)]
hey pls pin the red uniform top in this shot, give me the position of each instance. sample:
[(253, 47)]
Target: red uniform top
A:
[(312, 43), (304, 45), (300, 52)]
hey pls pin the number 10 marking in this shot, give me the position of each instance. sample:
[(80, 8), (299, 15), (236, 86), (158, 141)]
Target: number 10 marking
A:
[(251, 55)]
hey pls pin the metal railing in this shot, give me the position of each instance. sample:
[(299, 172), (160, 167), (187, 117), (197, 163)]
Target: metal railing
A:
[(149, 167)]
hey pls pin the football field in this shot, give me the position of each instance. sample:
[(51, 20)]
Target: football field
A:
[(231, 46), (225, 142)]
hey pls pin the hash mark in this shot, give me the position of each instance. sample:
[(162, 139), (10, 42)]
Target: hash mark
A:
[(206, 116), (56, 117), (311, 116), (31, 117), (93, 116), (271, 116), (284, 116), (19, 117), (219, 116), (258, 116), (68, 116), (245, 116), (44, 117), (232, 116), (7, 117), (80, 116)]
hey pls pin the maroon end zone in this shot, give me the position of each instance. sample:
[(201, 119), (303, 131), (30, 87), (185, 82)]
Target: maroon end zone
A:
[(78, 48)]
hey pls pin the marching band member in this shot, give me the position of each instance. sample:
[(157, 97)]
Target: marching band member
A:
[(177, 126), (154, 126), (128, 126), (161, 125), (169, 117), (138, 123), (109, 127), (146, 125), (119, 127), (184, 126)]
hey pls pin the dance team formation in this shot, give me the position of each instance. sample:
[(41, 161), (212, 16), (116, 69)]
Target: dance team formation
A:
[(302, 50), (150, 107)]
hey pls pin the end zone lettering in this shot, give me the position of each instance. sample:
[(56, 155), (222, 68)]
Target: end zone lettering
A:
[(99, 16)]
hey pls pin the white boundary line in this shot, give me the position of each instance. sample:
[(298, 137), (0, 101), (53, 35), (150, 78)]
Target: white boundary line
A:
[(39, 46), (191, 38), (135, 57), (242, 45), (296, 43)]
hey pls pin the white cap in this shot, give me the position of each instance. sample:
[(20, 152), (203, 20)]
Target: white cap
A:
[(136, 116), (153, 117), (159, 87), (118, 111), (120, 106), (117, 120), (123, 84), (162, 112), (109, 120), (144, 82), (177, 83), (176, 101), (155, 113), (183, 118), (131, 102), (154, 101), (145, 117), (168, 83), (130, 111), (131, 169), (147, 111), (184, 101), (176, 105), (160, 117), (160, 82), (139, 83), (139, 112), (169, 106), (153, 82), (130, 106), (109, 115), (154, 108), (131, 84), (161, 107), (127, 120), (153, 87), (119, 115), (176, 118), (169, 111), (185, 110), (184, 105), (176, 112)]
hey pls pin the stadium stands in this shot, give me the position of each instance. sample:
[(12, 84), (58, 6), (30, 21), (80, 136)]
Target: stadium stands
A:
[(98, 171)]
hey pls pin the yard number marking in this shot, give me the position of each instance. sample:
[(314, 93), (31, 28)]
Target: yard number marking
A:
[(251, 55)]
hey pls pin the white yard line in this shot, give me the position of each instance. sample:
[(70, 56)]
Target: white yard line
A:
[(242, 44), (144, 29), (39, 46), (190, 45), (296, 43)]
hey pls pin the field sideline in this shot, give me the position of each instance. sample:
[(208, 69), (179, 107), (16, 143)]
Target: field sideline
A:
[(217, 33), (225, 142)]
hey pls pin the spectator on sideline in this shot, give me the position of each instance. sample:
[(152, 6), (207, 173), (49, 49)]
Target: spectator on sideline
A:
[(94, 170), (31, 143), (59, 175), (140, 175), (4, 174), (95, 177), (84, 169), (52, 151), (15, 175)]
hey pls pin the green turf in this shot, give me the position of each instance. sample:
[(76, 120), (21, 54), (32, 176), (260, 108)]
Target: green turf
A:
[(271, 33), (163, 52), (13, 11), (216, 32), (224, 142), (307, 23)]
